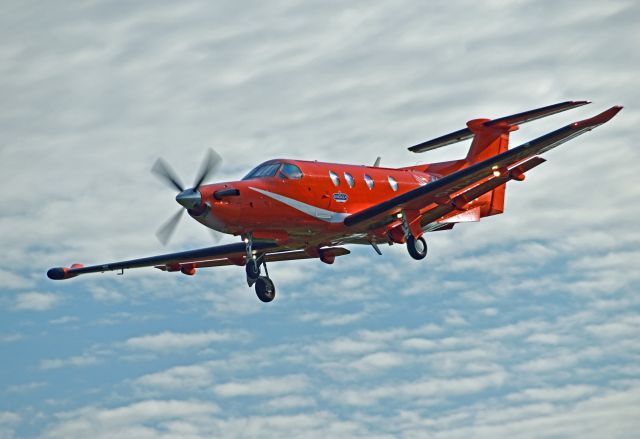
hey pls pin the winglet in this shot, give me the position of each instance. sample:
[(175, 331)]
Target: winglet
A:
[(599, 119)]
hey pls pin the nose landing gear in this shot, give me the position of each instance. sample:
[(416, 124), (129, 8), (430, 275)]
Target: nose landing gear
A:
[(265, 289)]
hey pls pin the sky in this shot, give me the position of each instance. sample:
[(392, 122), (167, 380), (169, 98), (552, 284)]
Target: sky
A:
[(525, 325)]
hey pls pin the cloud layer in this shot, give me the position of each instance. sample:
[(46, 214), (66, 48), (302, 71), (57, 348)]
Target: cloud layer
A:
[(524, 325)]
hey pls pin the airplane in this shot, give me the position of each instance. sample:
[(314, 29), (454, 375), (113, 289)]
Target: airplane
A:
[(294, 209)]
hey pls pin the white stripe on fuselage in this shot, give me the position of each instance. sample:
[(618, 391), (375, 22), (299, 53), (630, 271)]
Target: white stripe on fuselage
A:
[(316, 212)]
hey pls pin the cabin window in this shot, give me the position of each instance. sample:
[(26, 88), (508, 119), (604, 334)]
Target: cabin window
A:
[(393, 183), (290, 171), (334, 178), (369, 181), (349, 179)]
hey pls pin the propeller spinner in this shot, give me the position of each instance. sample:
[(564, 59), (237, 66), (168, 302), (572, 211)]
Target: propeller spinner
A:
[(188, 198)]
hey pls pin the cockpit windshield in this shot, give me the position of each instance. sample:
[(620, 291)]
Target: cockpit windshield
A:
[(263, 170), (270, 169)]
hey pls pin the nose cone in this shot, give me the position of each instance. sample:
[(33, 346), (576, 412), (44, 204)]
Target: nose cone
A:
[(189, 198)]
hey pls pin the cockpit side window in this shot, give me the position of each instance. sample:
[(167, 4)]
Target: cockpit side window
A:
[(264, 170), (291, 171)]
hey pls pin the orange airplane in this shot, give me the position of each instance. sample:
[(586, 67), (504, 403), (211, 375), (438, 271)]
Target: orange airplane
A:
[(292, 209)]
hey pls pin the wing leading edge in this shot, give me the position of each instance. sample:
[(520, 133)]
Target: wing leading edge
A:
[(448, 185)]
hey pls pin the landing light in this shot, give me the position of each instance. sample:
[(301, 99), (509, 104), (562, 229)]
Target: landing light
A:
[(399, 215), (496, 173)]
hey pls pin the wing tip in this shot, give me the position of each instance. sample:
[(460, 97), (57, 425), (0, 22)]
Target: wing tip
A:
[(58, 273), (601, 118)]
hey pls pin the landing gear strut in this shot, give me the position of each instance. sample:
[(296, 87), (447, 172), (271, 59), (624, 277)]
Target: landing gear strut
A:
[(265, 289)]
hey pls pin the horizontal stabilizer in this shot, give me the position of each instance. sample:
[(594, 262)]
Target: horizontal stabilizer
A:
[(514, 119)]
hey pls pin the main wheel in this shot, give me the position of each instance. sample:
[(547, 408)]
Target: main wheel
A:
[(253, 271), (265, 290), (417, 247)]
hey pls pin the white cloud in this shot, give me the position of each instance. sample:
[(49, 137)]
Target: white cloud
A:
[(290, 402), (64, 319), (76, 361), (14, 281), (8, 338), (121, 85), (168, 341), (270, 386), (34, 301), (179, 378), (134, 420), (552, 394), (27, 387), (329, 319), (8, 423)]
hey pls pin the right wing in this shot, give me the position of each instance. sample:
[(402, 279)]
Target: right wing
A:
[(502, 164)]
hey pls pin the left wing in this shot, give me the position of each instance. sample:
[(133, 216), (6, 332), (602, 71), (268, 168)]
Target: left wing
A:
[(500, 165), (236, 250)]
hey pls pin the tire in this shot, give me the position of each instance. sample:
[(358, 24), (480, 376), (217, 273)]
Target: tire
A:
[(417, 247), (265, 290)]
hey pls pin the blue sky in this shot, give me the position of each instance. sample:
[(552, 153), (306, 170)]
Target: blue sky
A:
[(523, 325)]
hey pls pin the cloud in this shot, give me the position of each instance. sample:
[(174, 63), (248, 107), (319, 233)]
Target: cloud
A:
[(168, 341), (34, 301), (179, 378), (8, 338), (27, 387), (290, 402), (14, 281), (147, 418), (565, 393), (270, 386), (8, 423), (555, 355), (75, 361)]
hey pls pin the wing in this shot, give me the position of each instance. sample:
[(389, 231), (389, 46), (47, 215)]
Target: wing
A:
[(327, 254), (232, 251), (503, 165)]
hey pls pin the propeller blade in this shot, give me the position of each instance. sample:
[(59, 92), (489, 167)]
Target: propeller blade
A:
[(165, 232), (166, 174), (209, 165)]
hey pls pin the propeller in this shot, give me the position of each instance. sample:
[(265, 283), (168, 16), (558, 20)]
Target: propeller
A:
[(189, 198)]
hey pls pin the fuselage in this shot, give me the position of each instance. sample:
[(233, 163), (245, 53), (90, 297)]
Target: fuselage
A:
[(307, 199)]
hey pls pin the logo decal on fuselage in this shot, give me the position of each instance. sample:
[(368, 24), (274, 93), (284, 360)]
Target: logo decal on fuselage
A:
[(340, 197)]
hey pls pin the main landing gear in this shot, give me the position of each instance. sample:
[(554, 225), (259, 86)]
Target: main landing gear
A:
[(417, 247), (265, 289)]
